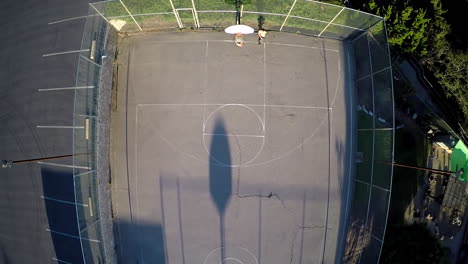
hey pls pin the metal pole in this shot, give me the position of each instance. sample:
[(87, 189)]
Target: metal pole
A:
[(91, 4), (176, 14), (131, 15), (331, 21), (197, 22), (284, 22), (9, 163), (421, 168)]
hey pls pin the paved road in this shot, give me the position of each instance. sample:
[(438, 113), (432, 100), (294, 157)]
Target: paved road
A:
[(26, 36)]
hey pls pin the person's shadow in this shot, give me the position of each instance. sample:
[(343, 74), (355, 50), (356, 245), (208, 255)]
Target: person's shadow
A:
[(220, 175)]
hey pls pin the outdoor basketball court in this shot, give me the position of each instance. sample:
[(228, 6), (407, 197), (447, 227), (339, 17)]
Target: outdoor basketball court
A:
[(230, 155)]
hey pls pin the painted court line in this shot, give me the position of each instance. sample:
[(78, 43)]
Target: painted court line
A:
[(64, 52), (62, 201), (61, 261), (246, 41), (298, 46), (264, 86), (70, 19), (65, 88), (251, 105), (74, 127), (63, 165), (233, 135), (72, 236)]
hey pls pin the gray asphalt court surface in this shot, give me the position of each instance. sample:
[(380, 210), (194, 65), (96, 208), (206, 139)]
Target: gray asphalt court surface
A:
[(38, 47), (223, 154)]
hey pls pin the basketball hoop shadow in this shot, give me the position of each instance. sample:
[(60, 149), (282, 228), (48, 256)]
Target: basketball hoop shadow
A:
[(220, 176)]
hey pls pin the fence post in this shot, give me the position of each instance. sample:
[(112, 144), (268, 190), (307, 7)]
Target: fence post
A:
[(176, 14), (284, 22), (332, 21), (103, 17), (131, 15), (197, 22)]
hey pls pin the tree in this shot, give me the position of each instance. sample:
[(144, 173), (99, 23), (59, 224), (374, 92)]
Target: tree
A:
[(408, 244), (406, 26), (418, 28)]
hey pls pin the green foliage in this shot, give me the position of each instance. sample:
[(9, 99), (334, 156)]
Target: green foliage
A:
[(410, 244), (406, 26), (418, 28), (238, 3)]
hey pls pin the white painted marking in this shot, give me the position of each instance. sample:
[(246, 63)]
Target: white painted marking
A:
[(205, 87), (249, 105), (64, 52), (63, 165), (242, 105), (233, 135), (246, 41), (62, 201), (65, 88), (74, 127), (219, 248), (264, 87), (72, 236), (69, 19), (337, 83), (175, 148), (61, 261), (300, 46)]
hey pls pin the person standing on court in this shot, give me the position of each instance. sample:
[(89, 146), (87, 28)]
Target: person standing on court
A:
[(261, 35)]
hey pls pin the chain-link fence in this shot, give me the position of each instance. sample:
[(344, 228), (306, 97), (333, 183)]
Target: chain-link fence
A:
[(374, 156), (295, 16), (370, 199), (84, 138)]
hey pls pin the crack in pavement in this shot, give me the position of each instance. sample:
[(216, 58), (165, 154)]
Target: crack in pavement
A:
[(292, 246), (269, 196)]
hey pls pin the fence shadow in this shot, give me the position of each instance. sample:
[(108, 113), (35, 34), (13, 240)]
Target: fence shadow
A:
[(59, 200)]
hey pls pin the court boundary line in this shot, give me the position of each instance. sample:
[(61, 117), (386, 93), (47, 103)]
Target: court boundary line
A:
[(245, 41), (249, 105), (233, 135), (264, 89), (293, 149)]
